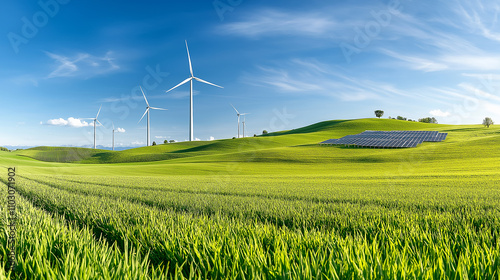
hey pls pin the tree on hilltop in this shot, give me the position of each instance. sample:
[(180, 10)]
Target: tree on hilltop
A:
[(379, 113), (487, 122)]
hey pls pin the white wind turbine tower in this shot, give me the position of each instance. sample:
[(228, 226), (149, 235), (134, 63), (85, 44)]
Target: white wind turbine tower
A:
[(147, 112), (244, 114), (238, 114), (190, 79), (95, 123)]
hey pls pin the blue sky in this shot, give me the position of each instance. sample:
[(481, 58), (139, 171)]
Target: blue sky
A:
[(286, 63)]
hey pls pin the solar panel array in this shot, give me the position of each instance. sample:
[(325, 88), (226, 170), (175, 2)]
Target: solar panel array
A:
[(388, 139)]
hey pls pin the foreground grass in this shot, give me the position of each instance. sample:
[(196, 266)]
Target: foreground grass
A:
[(307, 230)]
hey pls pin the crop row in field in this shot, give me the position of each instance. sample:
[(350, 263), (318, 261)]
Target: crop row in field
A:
[(447, 192), (48, 247), (236, 232)]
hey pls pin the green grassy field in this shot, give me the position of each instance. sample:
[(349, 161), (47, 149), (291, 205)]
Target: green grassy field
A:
[(278, 206)]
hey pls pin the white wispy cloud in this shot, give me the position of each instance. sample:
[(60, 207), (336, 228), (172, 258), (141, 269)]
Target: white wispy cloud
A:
[(483, 61), (489, 77), (72, 122), (274, 22), (315, 78), (81, 65), (478, 92), (461, 43), (489, 82), (121, 130), (456, 61), (429, 36), (439, 113), (480, 17), (417, 63), (211, 138)]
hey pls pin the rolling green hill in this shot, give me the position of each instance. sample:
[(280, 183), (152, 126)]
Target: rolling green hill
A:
[(308, 135)]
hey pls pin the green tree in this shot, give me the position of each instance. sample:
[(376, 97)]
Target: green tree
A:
[(172, 141), (165, 142), (154, 143), (428, 120), (379, 113), (487, 122), (264, 131)]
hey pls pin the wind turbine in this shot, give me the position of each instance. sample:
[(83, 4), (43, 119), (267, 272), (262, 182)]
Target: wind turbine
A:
[(95, 121), (240, 114), (147, 111), (190, 79)]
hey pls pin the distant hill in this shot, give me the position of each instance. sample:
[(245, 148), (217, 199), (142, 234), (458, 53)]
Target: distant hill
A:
[(59, 154)]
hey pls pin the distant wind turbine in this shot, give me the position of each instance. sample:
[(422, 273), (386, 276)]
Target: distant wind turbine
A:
[(95, 123), (190, 79), (147, 111), (240, 114)]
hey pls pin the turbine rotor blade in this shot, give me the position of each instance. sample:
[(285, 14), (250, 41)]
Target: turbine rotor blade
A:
[(183, 82), (189, 58), (158, 108), (99, 122), (235, 109), (98, 112), (203, 81), (147, 110), (144, 96)]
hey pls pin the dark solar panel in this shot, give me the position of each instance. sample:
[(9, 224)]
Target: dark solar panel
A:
[(389, 139)]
